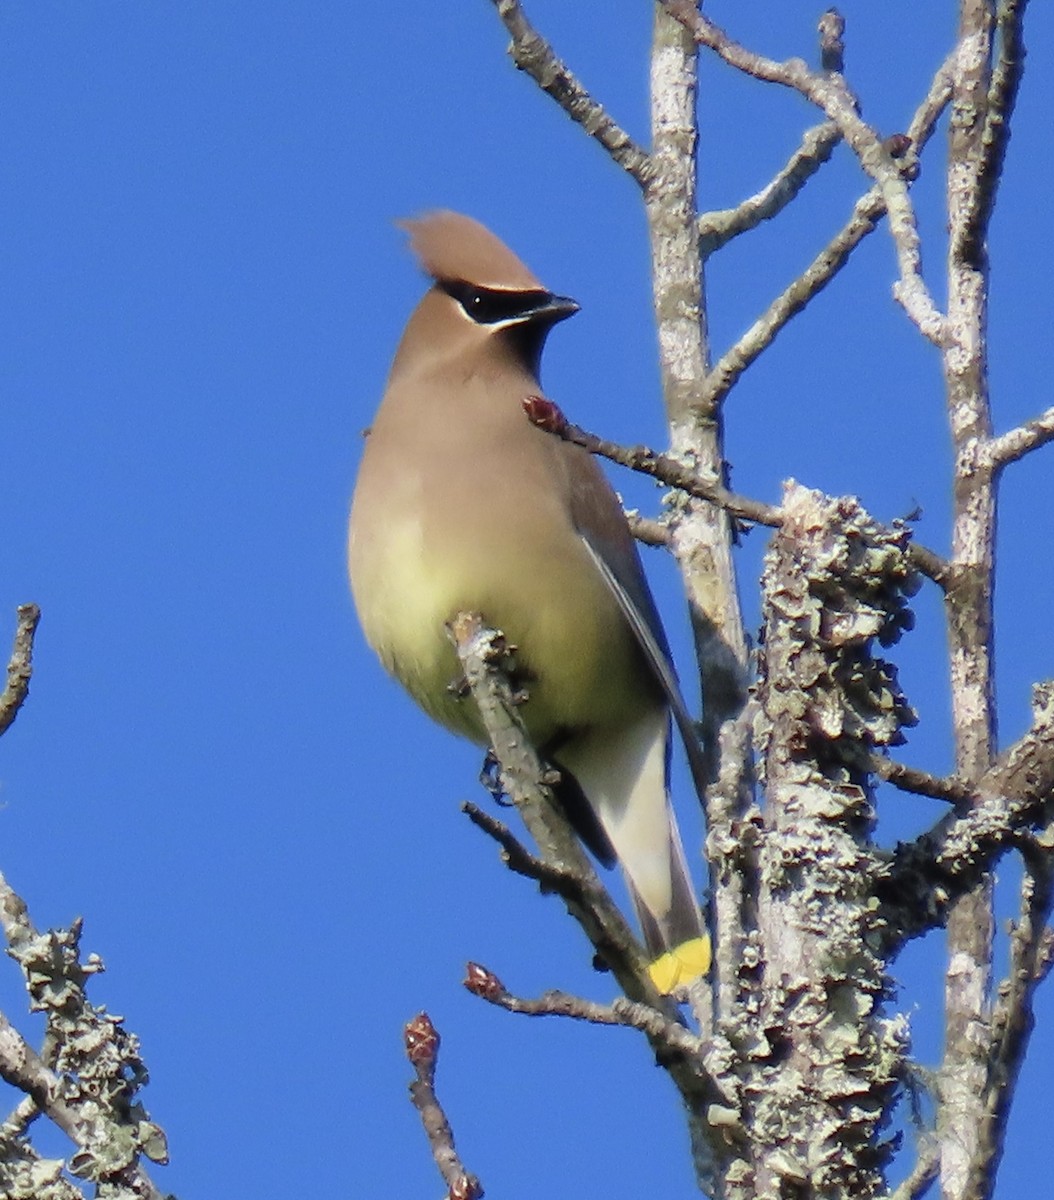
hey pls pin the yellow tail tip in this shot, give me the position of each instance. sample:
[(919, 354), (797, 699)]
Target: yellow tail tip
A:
[(680, 965)]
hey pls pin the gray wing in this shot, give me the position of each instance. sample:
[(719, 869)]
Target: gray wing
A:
[(638, 607)]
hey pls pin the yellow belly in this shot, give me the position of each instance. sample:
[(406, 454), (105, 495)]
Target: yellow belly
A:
[(579, 658)]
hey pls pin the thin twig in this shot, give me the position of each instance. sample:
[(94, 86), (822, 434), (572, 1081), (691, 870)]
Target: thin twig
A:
[(863, 220), (866, 214), (482, 982), (665, 468), (829, 93), (518, 858), (422, 1049), (672, 472), (718, 228), (922, 1175), (929, 563), (20, 668), (922, 783), (533, 54)]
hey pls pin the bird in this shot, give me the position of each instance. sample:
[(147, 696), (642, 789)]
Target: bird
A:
[(461, 504)]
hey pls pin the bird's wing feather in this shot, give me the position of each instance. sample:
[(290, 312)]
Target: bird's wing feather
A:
[(601, 524), (638, 608)]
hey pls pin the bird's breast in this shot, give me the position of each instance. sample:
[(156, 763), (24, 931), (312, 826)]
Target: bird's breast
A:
[(454, 542)]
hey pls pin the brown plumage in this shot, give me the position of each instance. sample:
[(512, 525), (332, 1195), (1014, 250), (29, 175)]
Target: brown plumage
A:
[(462, 505)]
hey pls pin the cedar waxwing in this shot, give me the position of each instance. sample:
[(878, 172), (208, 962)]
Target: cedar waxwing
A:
[(462, 505)]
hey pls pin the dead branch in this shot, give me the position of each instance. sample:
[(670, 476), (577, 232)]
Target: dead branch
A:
[(829, 93), (717, 229), (863, 220), (533, 54), (518, 858), (20, 666), (672, 1035), (1016, 443), (922, 783), (672, 472)]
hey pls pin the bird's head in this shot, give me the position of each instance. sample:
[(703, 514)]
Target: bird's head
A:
[(482, 294)]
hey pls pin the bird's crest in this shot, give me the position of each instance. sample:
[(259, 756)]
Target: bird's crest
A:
[(452, 247)]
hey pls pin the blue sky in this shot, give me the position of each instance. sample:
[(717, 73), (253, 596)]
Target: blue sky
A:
[(202, 291)]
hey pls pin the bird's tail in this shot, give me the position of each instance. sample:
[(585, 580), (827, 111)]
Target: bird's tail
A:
[(677, 941), (625, 782)]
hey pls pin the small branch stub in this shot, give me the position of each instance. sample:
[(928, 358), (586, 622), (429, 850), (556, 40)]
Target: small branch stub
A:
[(20, 667), (832, 43)]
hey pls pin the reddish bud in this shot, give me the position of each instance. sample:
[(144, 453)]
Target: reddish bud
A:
[(466, 1187), (422, 1039), (483, 983), (898, 144), (545, 414)]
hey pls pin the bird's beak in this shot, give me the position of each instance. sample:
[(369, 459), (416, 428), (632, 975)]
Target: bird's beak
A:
[(558, 308)]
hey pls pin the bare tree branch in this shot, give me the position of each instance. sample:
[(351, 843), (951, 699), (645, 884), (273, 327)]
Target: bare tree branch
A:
[(829, 93), (648, 531), (866, 214), (483, 653), (422, 1049), (1003, 84), (672, 472), (969, 602), (922, 1176), (518, 858), (1016, 443), (21, 1067), (672, 1035), (864, 219), (702, 536), (820, 766), (718, 228), (922, 783), (533, 54), (664, 468)]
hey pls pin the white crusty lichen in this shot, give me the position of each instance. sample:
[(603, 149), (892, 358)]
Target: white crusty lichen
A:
[(825, 1063)]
